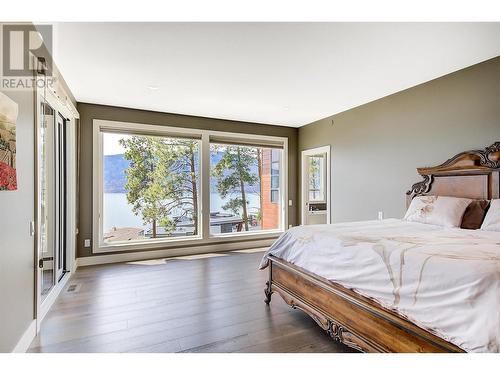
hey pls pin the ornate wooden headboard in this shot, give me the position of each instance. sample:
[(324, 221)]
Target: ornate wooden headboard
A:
[(470, 174)]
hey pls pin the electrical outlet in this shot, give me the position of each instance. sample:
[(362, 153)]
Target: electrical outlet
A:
[(86, 243), (290, 203), (381, 215)]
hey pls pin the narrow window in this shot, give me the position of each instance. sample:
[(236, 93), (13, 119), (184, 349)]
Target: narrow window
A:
[(316, 179)]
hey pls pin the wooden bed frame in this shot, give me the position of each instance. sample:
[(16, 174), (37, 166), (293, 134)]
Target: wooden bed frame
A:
[(360, 322)]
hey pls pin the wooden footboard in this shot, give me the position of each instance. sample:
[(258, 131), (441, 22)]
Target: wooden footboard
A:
[(348, 317)]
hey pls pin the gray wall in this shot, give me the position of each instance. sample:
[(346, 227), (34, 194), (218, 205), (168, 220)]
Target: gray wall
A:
[(377, 147), (16, 244), (17, 247), (89, 112)]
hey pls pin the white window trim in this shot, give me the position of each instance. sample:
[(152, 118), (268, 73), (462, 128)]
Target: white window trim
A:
[(204, 237)]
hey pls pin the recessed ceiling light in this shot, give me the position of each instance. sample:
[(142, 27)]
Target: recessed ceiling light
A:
[(153, 87)]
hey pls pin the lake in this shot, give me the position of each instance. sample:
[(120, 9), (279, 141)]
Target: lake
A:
[(118, 213)]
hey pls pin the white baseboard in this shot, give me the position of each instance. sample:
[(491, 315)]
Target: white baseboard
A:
[(155, 254), (25, 341)]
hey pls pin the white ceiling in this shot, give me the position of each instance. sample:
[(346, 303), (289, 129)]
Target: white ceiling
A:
[(277, 73)]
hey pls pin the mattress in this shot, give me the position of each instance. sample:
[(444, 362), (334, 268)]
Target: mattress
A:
[(445, 280)]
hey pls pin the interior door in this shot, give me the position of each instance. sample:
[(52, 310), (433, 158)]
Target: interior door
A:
[(316, 186)]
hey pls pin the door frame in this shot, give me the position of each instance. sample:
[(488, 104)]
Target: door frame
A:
[(304, 154), (67, 110)]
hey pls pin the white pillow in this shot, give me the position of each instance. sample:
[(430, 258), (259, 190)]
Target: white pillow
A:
[(492, 219), (431, 209)]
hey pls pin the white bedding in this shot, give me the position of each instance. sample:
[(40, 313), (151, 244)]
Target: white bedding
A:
[(445, 280)]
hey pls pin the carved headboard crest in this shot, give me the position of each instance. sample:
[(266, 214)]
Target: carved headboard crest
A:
[(490, 157), (420, 187), (453, 173)]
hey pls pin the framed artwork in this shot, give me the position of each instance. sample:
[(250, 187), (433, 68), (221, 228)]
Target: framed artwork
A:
[(8, 118)]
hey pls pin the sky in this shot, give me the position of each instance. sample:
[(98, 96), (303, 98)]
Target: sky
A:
[(110, 145)]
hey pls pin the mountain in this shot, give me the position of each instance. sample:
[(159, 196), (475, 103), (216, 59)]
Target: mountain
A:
[(115, 178)]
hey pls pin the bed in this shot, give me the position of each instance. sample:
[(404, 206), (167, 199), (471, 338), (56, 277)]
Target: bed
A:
[(399, 286)]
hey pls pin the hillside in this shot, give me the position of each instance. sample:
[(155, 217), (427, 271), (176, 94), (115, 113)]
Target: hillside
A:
[(115, 177)]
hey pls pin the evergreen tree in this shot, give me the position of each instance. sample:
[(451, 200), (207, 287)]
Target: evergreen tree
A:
[(161, 180), (234, 174)]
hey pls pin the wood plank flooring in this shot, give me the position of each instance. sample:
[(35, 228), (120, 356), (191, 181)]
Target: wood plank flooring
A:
[(186, 304)]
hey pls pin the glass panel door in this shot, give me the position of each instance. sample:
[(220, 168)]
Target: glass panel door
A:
[(52, 197), (47, 207), (60, 198)]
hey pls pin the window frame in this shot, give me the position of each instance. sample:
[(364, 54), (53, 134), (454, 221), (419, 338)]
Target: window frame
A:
[(204, 237)]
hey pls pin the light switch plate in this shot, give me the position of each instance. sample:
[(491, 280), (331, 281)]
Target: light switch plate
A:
[(86, 243), (381, 215)]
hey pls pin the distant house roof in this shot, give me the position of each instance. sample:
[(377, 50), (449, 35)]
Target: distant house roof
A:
[(124, 234)]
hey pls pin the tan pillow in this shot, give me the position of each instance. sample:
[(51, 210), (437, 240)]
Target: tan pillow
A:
[(492, 219), (431, 209), (474, 214)]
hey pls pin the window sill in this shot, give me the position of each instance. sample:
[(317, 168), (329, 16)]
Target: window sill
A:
[(186, 242), (260, 234)]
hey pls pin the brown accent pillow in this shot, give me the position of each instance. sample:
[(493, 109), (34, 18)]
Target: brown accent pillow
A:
[(474, 214)]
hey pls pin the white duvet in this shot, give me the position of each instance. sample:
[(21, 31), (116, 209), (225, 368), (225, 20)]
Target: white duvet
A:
[(446, 281)]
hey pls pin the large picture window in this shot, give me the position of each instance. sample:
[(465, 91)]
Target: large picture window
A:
[(154, 185), (150, 187), (244, 188)]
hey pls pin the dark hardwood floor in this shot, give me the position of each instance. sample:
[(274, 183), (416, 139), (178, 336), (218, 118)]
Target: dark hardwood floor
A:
[(190, 304)]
